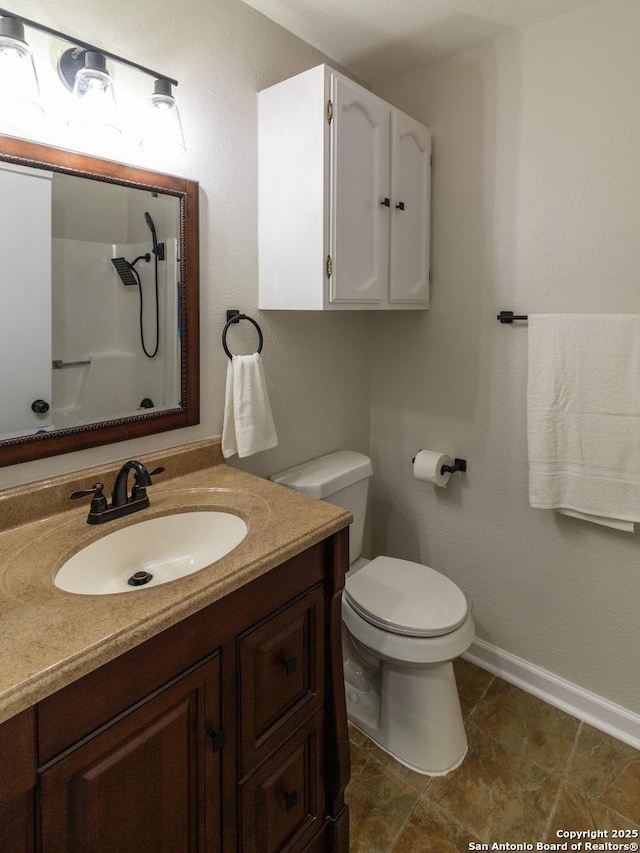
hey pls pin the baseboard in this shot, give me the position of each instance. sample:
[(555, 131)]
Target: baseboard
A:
[(598, 712)]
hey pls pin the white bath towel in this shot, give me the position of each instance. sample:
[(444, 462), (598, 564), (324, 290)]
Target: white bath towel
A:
[(583, 416), (248, 423)]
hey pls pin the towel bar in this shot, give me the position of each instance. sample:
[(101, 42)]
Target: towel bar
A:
[(234, 316), (509, 317)]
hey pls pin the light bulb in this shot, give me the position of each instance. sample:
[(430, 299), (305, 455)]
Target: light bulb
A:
[(163, 128), (20, 101), (95, 105)]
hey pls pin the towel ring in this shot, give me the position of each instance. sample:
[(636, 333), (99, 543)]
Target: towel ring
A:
[(235, 318)]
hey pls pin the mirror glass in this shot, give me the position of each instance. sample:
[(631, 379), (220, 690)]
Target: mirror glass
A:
[(100, 288)]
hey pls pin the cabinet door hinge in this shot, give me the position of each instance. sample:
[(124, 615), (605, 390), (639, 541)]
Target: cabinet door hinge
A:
[(329, 111), (431, 161), (329, 266), (217, 740)]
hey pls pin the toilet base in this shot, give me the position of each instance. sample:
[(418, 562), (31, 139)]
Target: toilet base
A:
[(412, 713)]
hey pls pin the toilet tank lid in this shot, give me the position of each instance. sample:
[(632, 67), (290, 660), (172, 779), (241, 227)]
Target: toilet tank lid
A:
[(322, 477)]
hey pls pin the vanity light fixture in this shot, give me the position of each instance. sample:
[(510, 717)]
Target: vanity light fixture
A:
[(163, 128), (19, 91), (85, 73), (83, 70)]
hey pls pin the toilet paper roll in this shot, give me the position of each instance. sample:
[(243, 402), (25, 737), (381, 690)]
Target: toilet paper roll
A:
[(427, 466)]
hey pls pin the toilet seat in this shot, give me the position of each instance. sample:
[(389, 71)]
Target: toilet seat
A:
[(406, 598)]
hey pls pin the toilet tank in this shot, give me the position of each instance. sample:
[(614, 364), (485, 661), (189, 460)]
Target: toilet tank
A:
[(340, 478)]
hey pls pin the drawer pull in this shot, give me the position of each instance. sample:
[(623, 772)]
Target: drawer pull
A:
[(290, 800), (217, 740), (290, 666)]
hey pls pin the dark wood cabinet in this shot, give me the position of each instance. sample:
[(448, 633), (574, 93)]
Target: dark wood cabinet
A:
[(17, 783), (149, 781), (226, 732)]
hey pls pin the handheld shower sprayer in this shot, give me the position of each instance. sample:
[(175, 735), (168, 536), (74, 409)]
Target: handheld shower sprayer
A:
[(158, 248), (129, 275)]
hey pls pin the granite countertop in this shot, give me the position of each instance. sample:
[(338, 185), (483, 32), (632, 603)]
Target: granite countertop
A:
[(49, 638)]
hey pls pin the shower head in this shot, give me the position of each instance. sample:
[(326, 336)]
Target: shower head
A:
[(158, 248), (124, 270)]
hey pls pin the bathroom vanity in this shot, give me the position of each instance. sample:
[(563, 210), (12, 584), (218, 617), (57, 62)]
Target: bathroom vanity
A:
[(204, 714)]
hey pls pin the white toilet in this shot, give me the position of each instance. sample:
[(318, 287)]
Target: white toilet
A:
[(404, 624)]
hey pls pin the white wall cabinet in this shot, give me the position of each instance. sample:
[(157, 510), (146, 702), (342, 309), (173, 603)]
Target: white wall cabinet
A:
[(344, 198)]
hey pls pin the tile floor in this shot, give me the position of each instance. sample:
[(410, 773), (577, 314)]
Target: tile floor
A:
[(531, 769)]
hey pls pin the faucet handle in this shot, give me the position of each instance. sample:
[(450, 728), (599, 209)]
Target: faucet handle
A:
[(139, 490), (98, 500)]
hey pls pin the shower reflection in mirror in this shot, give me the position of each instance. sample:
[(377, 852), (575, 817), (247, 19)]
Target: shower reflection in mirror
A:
[(91, 283)]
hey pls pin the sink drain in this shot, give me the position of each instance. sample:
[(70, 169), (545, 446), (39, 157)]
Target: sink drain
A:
[(140, 578)]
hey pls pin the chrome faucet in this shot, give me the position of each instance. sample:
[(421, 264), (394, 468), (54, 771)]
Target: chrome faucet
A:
[(122, 503)]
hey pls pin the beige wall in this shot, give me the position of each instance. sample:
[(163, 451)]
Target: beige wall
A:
[(222, 53), (536, 191)]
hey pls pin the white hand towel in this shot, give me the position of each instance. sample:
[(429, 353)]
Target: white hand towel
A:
[(248, 423), (583, 416)]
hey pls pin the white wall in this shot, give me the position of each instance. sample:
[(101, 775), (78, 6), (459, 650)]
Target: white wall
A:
[(222, 53), (536, 190)]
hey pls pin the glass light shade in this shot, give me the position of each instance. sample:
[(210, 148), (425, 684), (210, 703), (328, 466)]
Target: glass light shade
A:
[(20, 103), (94, 100), (163, 128)]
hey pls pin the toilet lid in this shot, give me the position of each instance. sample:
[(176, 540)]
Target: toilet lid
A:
[(406, 598)]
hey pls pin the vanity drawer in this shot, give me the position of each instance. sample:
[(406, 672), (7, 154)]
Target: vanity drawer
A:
[(282, 803), (281, 676)]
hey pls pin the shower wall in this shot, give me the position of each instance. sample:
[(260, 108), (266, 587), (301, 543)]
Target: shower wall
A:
[(96, 322)]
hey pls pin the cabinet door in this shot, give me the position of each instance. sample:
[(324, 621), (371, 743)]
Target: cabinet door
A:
[(410, 209), (17, 783), (359, 218), (148, 782), (281, 676), (282, 803)]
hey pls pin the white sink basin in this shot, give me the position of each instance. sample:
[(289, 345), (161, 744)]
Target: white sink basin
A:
[(167, 548)]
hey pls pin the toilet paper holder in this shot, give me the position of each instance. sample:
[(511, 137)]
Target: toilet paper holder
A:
[(458, 465)]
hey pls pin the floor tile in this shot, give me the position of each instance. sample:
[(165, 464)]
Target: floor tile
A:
[(607, 771), (531, 731), (472, 684), (418, 781), (494, 795), (576, 810), (429, 830), (379, 804)]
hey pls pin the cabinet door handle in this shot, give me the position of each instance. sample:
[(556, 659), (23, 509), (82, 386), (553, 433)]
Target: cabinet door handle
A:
[(386, 202), (217, 740), (290, 800), (290, 666), (400, 205)]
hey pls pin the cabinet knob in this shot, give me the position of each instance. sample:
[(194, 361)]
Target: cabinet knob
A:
[(290, 666), (386, 202), (400, 205), (290, 800)]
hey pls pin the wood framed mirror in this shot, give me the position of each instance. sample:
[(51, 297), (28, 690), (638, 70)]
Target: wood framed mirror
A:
[(99, 336)]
